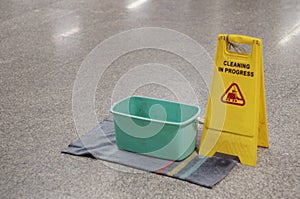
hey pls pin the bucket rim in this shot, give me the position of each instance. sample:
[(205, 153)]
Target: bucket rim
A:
[(184, 123)]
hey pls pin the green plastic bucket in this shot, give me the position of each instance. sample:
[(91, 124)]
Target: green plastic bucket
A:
[(155, 127)]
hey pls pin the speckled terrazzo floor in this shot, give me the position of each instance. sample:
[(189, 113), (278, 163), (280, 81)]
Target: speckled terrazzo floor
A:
[(42, 45)]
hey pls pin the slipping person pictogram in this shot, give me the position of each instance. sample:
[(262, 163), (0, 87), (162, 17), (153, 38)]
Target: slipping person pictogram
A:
[(233, 95)]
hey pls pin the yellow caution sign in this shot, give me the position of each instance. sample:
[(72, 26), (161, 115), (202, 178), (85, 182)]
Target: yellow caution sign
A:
[(235, 121)]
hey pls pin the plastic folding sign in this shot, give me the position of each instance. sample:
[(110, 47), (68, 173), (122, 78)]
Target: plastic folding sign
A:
[(235, 121)]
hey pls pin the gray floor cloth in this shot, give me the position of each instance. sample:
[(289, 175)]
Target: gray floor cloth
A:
[(100, 143)]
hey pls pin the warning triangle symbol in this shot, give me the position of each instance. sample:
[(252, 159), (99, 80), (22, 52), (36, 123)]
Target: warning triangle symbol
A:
[(233, 95)]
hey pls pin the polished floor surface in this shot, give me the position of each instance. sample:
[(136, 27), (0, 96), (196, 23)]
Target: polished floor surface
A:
[(42, 45)]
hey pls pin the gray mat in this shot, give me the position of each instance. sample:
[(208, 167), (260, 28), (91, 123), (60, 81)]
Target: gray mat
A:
[(100, 143)]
